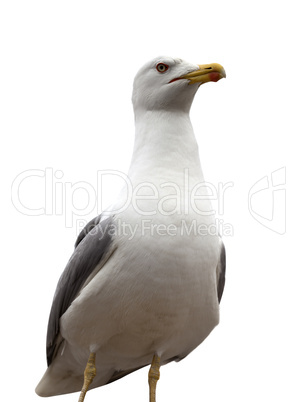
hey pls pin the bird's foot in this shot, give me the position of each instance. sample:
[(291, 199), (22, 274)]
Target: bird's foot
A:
[(154, 375), (89, 374)]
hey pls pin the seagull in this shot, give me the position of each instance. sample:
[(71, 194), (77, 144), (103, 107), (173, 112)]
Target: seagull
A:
[(145, 280)]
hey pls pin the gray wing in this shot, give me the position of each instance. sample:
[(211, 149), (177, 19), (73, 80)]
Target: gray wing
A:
[(92, 245), (89, 226), (221, 271)]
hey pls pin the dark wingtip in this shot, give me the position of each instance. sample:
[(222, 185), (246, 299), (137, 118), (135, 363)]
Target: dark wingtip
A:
[(222, 277)]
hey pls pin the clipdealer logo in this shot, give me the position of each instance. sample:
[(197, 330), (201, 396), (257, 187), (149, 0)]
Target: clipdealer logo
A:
[(53, 195), (267, 201)]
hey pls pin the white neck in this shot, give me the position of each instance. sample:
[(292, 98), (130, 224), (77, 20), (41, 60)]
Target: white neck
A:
[(165, 145)]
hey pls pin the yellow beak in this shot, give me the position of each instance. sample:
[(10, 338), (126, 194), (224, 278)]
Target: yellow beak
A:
[(205, 73)]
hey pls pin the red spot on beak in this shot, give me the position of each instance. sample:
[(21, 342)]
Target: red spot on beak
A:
[(214, 76)]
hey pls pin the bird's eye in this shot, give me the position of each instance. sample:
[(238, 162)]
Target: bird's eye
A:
[(162, 67)]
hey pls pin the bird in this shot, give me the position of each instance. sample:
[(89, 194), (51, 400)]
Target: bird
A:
[(144, 283)]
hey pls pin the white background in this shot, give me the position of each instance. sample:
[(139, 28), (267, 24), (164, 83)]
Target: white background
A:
[(67, 70)]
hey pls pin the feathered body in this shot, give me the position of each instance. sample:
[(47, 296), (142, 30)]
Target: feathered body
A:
[(155, 288)]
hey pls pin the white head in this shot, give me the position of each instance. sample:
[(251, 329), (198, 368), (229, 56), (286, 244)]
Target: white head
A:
[(170, 84)]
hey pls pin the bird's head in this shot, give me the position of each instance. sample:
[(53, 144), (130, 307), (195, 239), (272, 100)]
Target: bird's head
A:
[(170, 84)]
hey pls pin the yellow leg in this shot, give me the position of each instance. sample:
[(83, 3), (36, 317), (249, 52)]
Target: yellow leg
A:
[(154, 375), (89, 374)]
